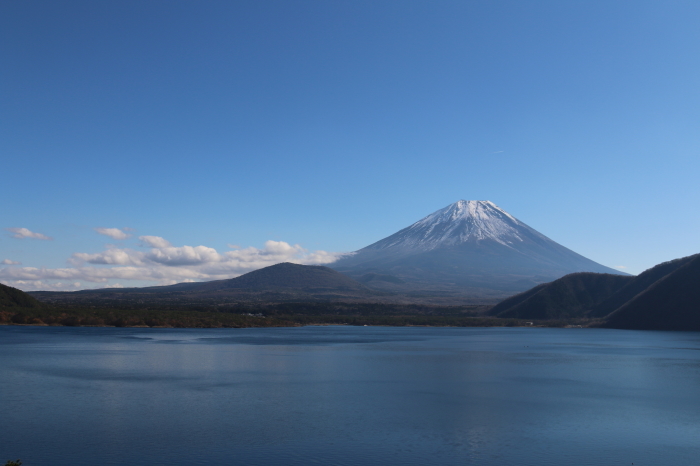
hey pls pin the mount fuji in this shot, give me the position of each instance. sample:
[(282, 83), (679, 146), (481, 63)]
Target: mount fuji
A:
[(472, 248)]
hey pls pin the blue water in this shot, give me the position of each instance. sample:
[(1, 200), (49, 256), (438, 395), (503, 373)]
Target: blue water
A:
[(349, 396)]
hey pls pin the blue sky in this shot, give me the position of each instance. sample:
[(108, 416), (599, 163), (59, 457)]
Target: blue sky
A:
[(295, 130)]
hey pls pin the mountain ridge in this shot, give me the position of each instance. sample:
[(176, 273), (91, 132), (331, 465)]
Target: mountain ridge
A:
[(280, 282), (474, 246), (640, 283), (670, 303), (664, 297), (567, 297)]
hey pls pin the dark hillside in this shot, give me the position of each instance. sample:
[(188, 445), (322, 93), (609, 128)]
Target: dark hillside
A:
[(672, 303), (287, 275), (516, 300), (640, 283), (12, 298), (568, 297)]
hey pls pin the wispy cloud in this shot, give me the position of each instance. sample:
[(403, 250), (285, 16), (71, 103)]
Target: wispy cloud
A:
[(163, 264), (114, 233), (154, 242), (22, 233), (620, 267), (10, 262)]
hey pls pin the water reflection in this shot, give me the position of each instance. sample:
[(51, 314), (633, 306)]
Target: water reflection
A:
[(348, 395)]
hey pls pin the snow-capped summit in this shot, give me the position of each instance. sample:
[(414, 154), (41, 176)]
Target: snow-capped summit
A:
[(458, 223), (466, 245)]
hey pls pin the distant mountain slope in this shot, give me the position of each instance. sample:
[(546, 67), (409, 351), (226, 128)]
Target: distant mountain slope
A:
[(276, 283), (288, 276), (568, 297), (640, 283), (11, 298), (468, 247), (670, 303)]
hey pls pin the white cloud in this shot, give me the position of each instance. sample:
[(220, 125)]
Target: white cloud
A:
[(112, 256), (620, 267), (100, 274), (9, 262), (185, 255), (164, 264), (114, 233), (22, 233), (154, 242)]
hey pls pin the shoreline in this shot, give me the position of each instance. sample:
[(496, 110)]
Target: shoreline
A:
[(548, 324)]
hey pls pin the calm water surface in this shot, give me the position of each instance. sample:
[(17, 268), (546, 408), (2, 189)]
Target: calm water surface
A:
[(349, 396)]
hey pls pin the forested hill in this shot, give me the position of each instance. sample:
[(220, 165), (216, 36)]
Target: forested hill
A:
[(570, 296), (12, 298), (640, 283), (665, 297), (671, 303)]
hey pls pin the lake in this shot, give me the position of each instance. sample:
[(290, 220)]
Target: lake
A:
[(339, 395)]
